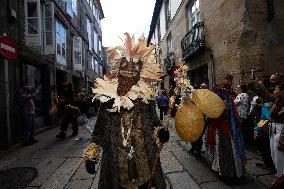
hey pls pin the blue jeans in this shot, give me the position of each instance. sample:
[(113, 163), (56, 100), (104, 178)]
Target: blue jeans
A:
[(29, 127)]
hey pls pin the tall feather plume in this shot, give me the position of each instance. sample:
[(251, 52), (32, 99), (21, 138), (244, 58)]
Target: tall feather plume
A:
[(137, 50), (128, 43)]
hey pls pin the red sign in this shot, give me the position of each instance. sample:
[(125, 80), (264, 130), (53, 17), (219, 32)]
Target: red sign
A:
[(8, 47)]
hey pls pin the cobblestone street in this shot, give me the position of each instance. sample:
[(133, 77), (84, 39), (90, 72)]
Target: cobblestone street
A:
[(59, 164)]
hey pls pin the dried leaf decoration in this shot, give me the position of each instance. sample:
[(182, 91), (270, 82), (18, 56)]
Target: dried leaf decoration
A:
[(106, 89)]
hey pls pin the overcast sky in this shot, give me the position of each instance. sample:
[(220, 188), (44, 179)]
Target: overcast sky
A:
[(132, 16)]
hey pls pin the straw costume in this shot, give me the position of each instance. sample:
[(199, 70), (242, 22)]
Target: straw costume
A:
[(128, 129)]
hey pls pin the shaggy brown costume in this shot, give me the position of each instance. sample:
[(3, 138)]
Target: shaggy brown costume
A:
[(114, 162)]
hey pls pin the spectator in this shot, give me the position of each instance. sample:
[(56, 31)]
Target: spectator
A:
[(163, 104), (277, 119), (28, 113), (262, 135), (70, 112), (242, 105), (83, 104)]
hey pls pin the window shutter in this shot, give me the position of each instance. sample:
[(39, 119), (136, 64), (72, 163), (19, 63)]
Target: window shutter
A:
[(48, 27)]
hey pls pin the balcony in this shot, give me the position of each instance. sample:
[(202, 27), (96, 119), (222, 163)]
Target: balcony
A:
[(169, 63), (193, 41)]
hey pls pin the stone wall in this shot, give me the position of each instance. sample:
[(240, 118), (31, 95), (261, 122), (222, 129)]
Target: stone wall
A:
[(223, 28), (238, 35), (242, 39)]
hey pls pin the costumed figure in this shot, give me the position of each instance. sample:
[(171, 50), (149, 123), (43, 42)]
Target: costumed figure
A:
[(195, 106), (128, 129), (225, 145)]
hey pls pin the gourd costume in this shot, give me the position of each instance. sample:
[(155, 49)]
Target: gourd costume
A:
[(225, 145), (127, 128)]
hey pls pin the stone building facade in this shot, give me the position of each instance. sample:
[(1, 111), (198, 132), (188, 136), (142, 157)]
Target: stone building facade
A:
[(218, 37), (58, 41)]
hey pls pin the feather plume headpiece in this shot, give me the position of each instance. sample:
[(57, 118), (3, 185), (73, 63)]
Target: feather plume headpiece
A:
[(136, 50), (133, 51)]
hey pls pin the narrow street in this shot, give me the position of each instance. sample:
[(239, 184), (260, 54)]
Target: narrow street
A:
[(60, 165)]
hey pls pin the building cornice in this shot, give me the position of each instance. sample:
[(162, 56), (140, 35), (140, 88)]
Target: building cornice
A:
[(156, 14)]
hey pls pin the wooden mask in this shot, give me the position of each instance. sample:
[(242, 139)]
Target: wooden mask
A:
[(128, 75)]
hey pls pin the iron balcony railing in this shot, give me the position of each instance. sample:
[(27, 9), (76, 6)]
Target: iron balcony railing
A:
[(193, 41)]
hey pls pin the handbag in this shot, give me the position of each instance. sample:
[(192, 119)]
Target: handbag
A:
[(280, 145), (263, 124)]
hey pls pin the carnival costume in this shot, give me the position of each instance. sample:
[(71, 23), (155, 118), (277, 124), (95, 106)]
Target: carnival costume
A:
[(225, 145), (127, 128)]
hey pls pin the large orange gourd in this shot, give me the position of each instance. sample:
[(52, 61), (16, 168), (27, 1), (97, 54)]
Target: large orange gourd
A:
[(208, 102), (189, 122)]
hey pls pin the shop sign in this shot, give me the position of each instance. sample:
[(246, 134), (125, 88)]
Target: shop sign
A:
[(8, 47)]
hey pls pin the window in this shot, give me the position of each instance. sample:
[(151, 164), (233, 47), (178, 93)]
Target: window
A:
[(91, 64), (100, 48), (77, 53), (89, 31), (94, 10), (91, 4), (167, 13), (60, 43), (32, 17), (101, 71), (95, 41), (194, 13), (169, 43), (71, 7), (96, 66), (48, 24), (74, 7), (48, 28)]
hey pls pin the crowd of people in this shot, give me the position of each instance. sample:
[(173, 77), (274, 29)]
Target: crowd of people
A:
[(254, 117), (69, 108)]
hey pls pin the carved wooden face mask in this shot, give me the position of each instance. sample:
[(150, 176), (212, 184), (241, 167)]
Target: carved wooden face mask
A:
[(128, 75)]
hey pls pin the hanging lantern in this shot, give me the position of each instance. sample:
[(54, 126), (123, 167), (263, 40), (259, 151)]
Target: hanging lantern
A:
[(189, 122), (208, 102)]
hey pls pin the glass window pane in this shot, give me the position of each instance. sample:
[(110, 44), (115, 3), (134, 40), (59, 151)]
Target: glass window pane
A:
[(193, 9), (197, 4), (48, 38), (32, 9), (48, 24), (33, 26), (48, 10), (58, 48), (63, 51)]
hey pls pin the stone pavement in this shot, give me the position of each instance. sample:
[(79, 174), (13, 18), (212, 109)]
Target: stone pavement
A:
[(184, 171), (60, 164)]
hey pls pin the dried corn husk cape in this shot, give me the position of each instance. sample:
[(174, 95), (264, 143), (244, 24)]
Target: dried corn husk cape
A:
[(189, 118), (134, 51)]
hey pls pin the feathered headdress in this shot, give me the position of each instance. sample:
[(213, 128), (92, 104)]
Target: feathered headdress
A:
[(133, 51), (136, 50)]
